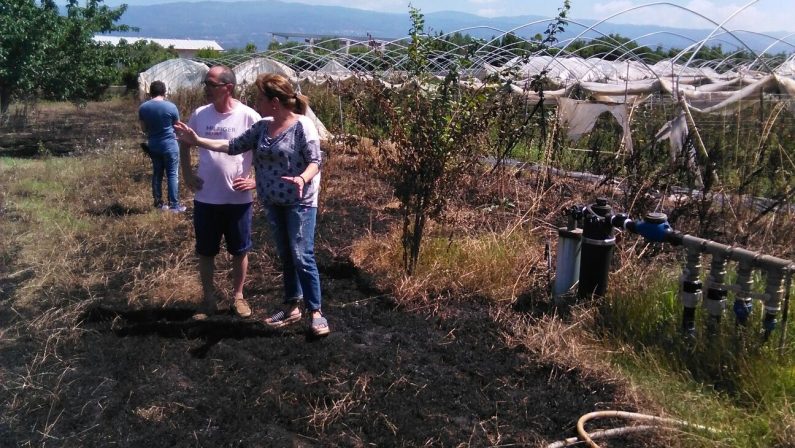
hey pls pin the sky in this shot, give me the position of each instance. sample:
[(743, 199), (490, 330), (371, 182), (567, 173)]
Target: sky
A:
[(759, 15)]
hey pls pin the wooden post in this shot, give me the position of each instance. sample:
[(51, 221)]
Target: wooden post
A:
[(692, 123)]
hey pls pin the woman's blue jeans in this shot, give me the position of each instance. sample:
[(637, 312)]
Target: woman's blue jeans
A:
[(293, 229), (165, 161)]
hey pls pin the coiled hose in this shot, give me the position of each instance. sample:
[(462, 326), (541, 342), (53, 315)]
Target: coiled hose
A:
[(657, 422)]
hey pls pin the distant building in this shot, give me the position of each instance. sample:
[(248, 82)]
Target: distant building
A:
[(186, 48)]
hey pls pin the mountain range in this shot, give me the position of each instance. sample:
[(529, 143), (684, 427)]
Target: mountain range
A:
[(238, 23)]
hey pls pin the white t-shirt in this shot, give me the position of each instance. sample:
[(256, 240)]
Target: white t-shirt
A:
[(217, 169)]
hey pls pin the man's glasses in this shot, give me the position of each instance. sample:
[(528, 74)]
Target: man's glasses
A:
[(212, 84)]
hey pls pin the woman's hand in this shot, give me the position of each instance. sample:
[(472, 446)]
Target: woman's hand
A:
[(185, 133), (298, 181)]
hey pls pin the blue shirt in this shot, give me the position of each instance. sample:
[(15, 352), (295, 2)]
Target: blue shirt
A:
[(159, 117)]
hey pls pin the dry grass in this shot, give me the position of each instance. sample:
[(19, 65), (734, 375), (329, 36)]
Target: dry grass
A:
[(147, 253), (61, 224), (345, 399), (496, 267)]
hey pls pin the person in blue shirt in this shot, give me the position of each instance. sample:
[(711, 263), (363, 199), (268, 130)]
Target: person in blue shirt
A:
[(157, 117)]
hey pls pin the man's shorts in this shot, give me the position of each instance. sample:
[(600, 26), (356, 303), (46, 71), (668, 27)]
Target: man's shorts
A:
[(230, 221)]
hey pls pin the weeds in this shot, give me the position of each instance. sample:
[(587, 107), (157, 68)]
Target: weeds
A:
[(740, 375)]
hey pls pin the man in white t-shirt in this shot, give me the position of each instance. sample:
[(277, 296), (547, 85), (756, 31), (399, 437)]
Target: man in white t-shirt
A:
[(223, 187)]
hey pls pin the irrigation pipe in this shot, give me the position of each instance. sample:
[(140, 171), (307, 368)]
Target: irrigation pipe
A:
[(587, 438), (602, 434), (339, 98), (783, 338)]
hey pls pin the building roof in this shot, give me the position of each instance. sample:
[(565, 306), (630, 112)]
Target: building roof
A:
[(178, 44), (366, 38)]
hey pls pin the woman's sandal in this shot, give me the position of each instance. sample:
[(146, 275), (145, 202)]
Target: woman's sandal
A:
[(319, 326), (282, 319)]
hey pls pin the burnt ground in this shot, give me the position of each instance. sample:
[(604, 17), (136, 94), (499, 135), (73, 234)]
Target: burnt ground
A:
[(385, 376)]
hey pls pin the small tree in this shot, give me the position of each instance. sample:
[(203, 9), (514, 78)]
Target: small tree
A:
[(138, 57), (435, 131), (510, 127)]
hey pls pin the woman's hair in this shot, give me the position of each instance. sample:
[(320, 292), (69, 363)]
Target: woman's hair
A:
[(157, 88), (277, 86)]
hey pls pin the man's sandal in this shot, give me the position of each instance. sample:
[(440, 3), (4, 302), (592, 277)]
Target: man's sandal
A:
[(282, 319), (241, 307), (319, 326), (206, 310)]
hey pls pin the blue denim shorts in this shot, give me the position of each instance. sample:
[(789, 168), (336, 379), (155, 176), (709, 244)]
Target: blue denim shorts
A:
[(230, 221)]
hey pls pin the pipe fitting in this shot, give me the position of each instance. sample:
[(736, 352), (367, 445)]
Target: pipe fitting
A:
[(743, 304), (689, 321), (774, 289), (768, 325), (715, 301), (691, 299), (690, 290), (742, 311), (657, 232)]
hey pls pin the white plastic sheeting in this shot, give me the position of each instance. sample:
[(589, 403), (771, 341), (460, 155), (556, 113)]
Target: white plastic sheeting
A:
[(579, 117), (175, 73), (332, 71), (247, 72), (676, 132)]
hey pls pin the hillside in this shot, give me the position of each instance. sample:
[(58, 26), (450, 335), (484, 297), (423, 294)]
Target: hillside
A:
[(234, 24)]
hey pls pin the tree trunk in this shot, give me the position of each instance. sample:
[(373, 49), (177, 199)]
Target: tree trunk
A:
[(5, 101)]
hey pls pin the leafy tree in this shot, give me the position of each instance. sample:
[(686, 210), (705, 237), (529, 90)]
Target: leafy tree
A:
[(610, 47), (512, 42), (44, 52), (461, 39), (137, 57), (52, 55), (208, 53), (22, 48), (434, 131)]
